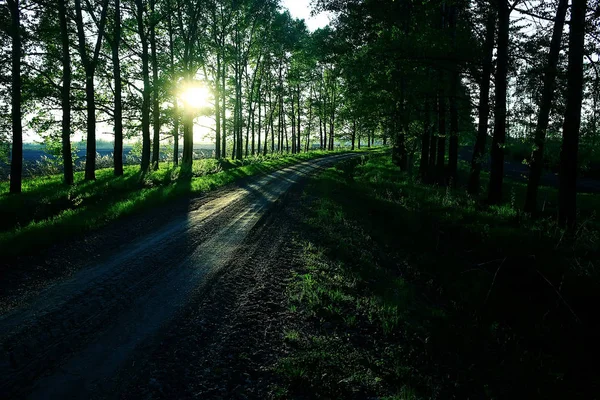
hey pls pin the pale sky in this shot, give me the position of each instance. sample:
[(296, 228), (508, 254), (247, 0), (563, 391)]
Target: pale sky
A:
[(301, 9), (298, 9)]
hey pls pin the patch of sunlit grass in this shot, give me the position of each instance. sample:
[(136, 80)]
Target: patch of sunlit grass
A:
[(48, 211)]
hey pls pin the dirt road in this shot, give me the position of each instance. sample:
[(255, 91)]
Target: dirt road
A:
[(72, 338)]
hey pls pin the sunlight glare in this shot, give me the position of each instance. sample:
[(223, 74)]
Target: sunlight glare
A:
[(195, 97)]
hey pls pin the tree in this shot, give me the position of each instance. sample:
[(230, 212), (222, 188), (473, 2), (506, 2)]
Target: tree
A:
[(537, 157), (16, 166), (567, 194), (115, 42), (145, 58), (484, 105), (499, 138), (90, 63)]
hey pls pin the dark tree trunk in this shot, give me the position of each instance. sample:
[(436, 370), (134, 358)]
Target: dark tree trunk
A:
[(239, 152), (537, 156), (90, 154), (259, 124), (89, 65), (272, 128), (16, 165), (353, 133), (453, 145), (118, 102), (310, 119), (499, 139), (567, 193), (298, 132), (218, 109), (441, 145), (400, 123), (66, 94), (145, 58), (432, 152), (455, 77), (424, 163), (320, 134), (155, 105), (293, 117), (224, 112), (332, 106), (253, 147), (175, 106), (484, 105), (188, 141), (176, 136)]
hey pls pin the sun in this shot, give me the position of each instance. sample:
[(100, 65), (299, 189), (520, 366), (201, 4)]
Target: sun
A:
[(195, 97)]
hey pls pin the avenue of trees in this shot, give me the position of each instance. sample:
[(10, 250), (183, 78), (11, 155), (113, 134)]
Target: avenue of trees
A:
[(68, 66), (426, 77), (522, 70)]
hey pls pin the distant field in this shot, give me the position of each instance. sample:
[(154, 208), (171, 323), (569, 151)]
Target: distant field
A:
[(33, 153)]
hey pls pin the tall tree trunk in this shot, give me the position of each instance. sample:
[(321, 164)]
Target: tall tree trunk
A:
[(287, 142), (400, 156), (332, 117), (240, 117), (424, 163), (320, 133), (218, 109), (432, 154), (90, 154), (298, 132), (455, 77), (155, 85), (175, 102), (224, 110), (89, 65), (310, 119), (567, 192), (453, 145), (145, 58), (118, 101), (499, 139), (537, 157), (484, 104), (353, 133), (66, 94), (176, 135), (16, 165), (293, 117), (272, 127), (441, 145), (259, 124), (188, 143)]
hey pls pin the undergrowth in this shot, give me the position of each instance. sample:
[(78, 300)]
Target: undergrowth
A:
[(413, 291)]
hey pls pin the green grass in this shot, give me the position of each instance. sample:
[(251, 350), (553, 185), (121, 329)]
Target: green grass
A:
[(48, 211), (411, 291)]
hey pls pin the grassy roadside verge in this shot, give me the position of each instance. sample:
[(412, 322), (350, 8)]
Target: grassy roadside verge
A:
[(48, 211), (409, 291)]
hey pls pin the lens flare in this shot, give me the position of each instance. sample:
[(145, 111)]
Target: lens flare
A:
[(195, 97)]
